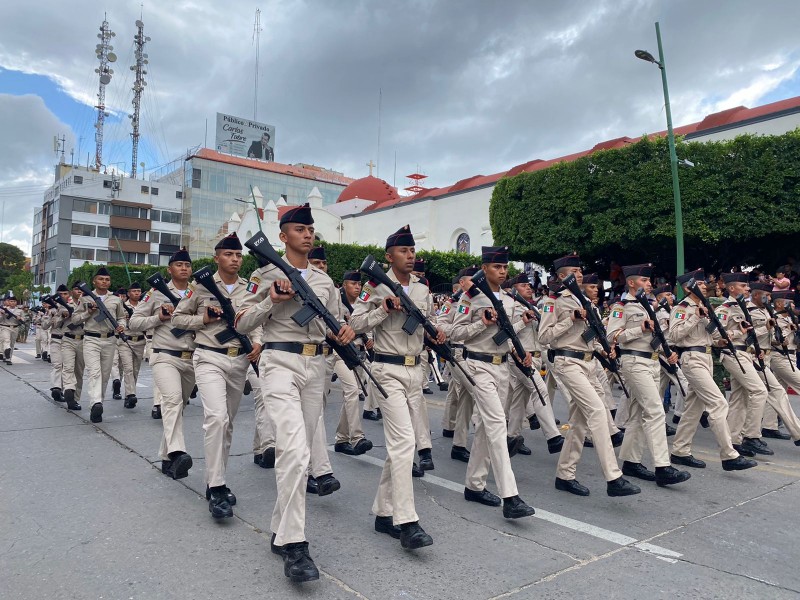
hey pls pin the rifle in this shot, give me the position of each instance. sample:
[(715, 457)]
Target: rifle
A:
[(375, 272), (103, 314), (714, 320), (312, 307), (205, 277), (505, 329), (752, 338), (57, 299), (596, 330), (659, 339), (11, 315), (779, 337), (528, 306), (159, 283)]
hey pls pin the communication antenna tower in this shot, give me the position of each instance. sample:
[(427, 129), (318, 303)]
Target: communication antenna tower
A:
[(256, 39), (139, 40), (105, 54)]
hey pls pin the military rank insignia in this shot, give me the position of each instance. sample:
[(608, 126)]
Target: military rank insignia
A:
[(252, 285)]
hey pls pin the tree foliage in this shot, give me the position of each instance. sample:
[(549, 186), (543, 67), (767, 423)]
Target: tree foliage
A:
[(741, 205), (12, 261)]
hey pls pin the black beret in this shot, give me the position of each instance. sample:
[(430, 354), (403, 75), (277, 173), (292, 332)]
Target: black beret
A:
[(521, 278), (571, 260), (352, 276), (76, 285), (120, 291), (761, 287), (317, 253), (783, 295), (697, 275), (591, 279), (401, 237), (180, 255), (734, 278), (494, 254), (645, 270), (230, 242), (299, 214), (664, 288), (468, 271), (62, 288), (419, 265), (135, 286), (102, 272)]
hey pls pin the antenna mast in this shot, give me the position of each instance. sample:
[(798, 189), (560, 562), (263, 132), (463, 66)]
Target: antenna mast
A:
[(106, 56), (139, 84), (257, 39)]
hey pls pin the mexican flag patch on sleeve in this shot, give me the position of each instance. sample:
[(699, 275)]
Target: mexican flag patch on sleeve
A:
[(252, 285), (548, 308), (364, 296), (617, 314), (680, 314), (463, 309)]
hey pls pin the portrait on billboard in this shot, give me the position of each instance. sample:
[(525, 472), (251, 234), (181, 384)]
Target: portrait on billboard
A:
[(261, 148), (242, 137)]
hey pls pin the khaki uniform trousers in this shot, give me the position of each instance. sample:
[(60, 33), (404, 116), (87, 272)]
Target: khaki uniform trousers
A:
[(97, 356), (646, 420), (116, 366), (602, 386), (522, 401), (8, 338), (264, 436), (419, 411), (131, 361), (465, 405), (173, 377), (40, 339), (293, 386), (371, 399), (55, 364), (587, 413), (451, 401), (702, 394), (395, 496), (320, 461), (349, 428), (748, 397), (490, 444), (426, 370), (220, 379), (781, 376), (72, 365), (679, 400)]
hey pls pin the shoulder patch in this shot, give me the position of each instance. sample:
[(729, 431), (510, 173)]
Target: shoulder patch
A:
[(446, 309), (147, 296), (252, 285), (616, 313), (366, 293), (722, 316), (680, 314), (549, 307), (463, 308)]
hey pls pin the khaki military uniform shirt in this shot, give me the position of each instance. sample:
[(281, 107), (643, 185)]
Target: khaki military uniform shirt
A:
[(82, 316), (469, 329), (146, 316), (625, 326), (558, 331)]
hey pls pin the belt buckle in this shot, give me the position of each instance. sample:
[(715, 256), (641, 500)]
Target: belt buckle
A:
[(186, 355), (708, 349), (233, 352), (587, 356), (537, 354), (309, 350), (654, 356), (409, 361), (497, 359)]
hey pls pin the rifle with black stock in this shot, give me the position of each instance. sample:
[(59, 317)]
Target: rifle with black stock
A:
[(160, 284), (779, 337), (752, 338), (714, 320), (506, 329), (528, 306), (372, 269), (596, 331), (205, 277), (103, 314), (10, 314), (659, 339), (57, 299), (312, 307)]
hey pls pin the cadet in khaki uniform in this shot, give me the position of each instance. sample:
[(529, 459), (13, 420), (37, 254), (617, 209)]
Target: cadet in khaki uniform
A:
[(523, 401), (173, 372), (689, 338), (100, 340), (350, 437), (474, 325), (41, 339), (419, 273), (748, 391), (54, 321), (777, 398), (264, 435), (9, 327), (664, 292), (293, 372), (72, 363), (780, 364), (132, 353), (219, 369), (419, 410), (630, 328), (397, 368), (562, 325)]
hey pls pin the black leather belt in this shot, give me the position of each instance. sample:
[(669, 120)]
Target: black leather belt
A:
[(587, 356), (232, 351), (457, 346), (740, 348), (495, 359), (55, 336), (701, 349), (97, 335), (75, 336), (184, 354), (135, 338), (640, 354), (297, 348), (394, 359)]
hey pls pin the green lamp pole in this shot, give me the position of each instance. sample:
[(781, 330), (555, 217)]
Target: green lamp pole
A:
[(673, 157)]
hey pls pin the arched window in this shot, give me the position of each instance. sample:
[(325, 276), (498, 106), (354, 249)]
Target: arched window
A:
[(462, 243)]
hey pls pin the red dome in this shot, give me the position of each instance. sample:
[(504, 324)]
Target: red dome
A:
[(369, 188)]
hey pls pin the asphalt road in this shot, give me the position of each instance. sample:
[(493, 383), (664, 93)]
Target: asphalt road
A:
[(86, 513)]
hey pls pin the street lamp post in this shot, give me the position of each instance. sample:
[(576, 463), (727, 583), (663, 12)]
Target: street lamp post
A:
[(673, 157)]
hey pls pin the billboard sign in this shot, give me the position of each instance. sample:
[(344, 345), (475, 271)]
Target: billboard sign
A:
[(246, 138)]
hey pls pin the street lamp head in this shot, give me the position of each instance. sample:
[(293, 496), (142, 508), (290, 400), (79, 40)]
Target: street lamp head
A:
[(645, 55)]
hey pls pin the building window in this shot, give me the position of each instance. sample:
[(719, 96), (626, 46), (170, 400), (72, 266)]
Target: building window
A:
[(104, 208), (170, 217), (78, 179), (155, 215), (107, 184), (179, 195), (152, 259), (171, 239), (132, 212), (145, 189), (462, 243), (101, 255), (81, 253), (81, 229), (84, 206), (103, 232), (154, 191), (196, 173), (134, 258), (135, 235)]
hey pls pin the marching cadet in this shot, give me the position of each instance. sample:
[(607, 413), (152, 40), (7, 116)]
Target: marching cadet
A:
[(748, 392), (523, 399), (72, 361), (219, 369), (664, 293), (397, 368), (350, 437), (41, 338), (293, 382), (100, 339), (419, 273), (459, 404), (173, 373), (474, 325), (264, 436), (132, 353), (782, 365), (53, 320), (562, 325), (692, 342), (117, 371), (10, 320), (630, 328), (774, 360)]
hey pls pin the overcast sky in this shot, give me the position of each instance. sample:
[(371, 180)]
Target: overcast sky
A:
[(468, 87)]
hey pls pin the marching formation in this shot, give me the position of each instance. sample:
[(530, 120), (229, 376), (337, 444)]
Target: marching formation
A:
[(288, 331)]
